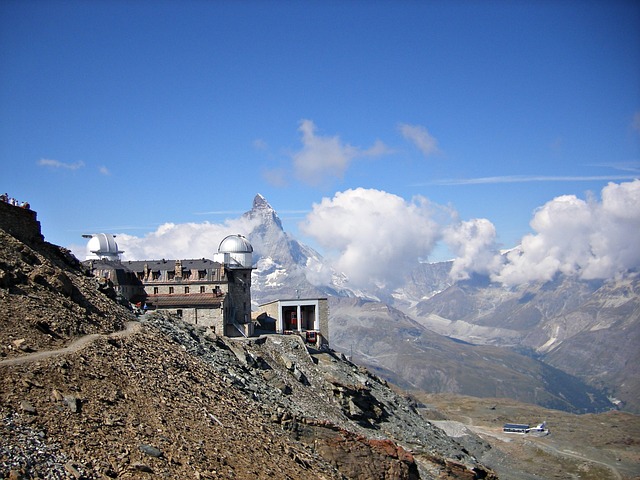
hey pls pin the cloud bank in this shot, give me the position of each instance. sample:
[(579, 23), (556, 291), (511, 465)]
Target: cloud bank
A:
[(591, 239), (372, 235), (185, 240)]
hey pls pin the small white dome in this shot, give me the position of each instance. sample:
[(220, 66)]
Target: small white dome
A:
[(102, 246), (235, 244)]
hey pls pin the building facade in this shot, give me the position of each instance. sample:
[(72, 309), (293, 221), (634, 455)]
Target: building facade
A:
[(212, 293)]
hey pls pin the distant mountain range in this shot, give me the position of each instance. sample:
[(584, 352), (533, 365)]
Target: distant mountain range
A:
[(565, 344)]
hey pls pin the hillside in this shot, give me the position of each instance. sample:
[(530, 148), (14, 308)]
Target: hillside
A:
[(86, 397), (405, 352), (589, 330)]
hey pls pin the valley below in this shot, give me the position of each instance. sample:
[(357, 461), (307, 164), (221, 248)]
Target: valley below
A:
[(589, 446)]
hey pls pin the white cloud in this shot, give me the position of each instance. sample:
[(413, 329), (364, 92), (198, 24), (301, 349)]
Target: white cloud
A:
[(373, 235), (185, 240), (474, 243), (591, 239), (420, 137), (324, 157), (46, 162), (104, 171)]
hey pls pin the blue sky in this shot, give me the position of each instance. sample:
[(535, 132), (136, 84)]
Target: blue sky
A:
[(122, 116)]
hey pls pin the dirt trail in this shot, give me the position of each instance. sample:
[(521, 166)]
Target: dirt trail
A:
[(130, 328)]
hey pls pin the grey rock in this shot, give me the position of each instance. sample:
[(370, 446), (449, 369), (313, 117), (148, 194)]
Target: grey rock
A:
[(149, 450), (28, 407), (72, 402)]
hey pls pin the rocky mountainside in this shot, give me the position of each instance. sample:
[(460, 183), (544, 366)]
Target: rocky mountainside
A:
[(590, 329), (414, 348), (47, 298), (87, 398), (414, 357)]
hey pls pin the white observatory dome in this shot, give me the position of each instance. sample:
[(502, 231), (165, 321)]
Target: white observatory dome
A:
[(235, 244), (235, 251), (102, 246)]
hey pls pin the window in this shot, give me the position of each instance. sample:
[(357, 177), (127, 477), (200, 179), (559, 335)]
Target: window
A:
[(202, 289), (186, 289), (170, 289), (155, 275), (202, 274), (179, 313), (155, 290), (171, 275)]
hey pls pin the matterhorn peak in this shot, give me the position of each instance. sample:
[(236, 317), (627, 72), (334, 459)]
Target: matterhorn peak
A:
[(262, 209), (260, 203)]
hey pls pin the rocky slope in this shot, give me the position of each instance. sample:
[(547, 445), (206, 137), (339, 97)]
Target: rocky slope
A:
[(47, 299), (167, 399)]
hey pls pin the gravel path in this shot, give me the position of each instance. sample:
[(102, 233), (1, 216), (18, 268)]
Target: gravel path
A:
[(130, 329)]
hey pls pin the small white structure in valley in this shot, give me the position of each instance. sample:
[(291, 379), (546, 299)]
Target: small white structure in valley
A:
[(102, 246)]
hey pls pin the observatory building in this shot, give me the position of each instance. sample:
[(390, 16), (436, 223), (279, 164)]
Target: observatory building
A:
[(213, 293), (102, 246)]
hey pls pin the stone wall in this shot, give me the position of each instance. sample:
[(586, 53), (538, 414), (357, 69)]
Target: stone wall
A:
[(239, 294), (206, 317), (21, 223), (323, 307)]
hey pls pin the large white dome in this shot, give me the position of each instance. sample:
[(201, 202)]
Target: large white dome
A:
[(235, 251), (102, 246), (235, 244)]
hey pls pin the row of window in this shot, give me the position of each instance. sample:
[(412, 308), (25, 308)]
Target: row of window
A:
[(171, 275), (156, 290)]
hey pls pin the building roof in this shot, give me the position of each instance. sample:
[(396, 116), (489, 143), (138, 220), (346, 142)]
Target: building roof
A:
[(301, 300), (164, 264)]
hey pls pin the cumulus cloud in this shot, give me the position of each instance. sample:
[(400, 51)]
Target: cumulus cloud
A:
[(592, 239), (185, 240), (420, 137), (372, 235), (323, 157), (474, 244), (47, 162), (104, 171)]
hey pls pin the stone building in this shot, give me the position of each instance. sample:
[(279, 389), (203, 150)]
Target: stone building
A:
[(213, 293)]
